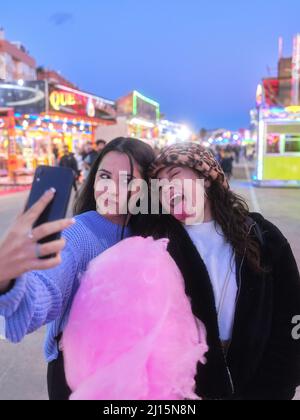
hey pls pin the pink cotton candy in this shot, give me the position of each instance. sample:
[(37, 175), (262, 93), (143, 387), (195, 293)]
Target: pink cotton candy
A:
[(131, 334)]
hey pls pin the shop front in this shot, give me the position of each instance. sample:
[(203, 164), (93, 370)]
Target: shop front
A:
[(41, 139), (46, 119), (279, 147)]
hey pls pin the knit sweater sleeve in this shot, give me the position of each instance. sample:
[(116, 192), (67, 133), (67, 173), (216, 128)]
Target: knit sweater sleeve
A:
[(39, 298)]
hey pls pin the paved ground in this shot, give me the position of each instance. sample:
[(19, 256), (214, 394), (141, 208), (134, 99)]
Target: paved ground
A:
[(22, 369)]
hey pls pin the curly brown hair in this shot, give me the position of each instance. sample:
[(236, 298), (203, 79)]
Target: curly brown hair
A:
[(231, 212)]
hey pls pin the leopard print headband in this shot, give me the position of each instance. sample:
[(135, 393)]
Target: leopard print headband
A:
[(193, 156)]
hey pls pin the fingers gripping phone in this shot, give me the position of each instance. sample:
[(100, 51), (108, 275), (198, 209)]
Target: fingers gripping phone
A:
[(46, 177)]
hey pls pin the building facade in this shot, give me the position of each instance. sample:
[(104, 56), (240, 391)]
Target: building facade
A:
[(15, 61), (284, 89), (54, 77)]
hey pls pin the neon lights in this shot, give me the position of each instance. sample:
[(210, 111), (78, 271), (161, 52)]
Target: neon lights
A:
[(86, 95), (295, 109), (53, 123), (291, 113), (185, 133), (145, 99), (136, 96), (59, 100), (25, 124)]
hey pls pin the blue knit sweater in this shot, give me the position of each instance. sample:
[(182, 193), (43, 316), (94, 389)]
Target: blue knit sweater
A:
[(45, 297)]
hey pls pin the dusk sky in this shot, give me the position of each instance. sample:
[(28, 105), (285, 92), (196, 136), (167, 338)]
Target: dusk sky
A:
[(202, 60)]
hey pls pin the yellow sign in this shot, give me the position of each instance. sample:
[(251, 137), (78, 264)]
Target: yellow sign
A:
[(295, 109), (59, 100)]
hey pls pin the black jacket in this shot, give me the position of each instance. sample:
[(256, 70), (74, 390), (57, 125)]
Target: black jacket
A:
[(263, 361)]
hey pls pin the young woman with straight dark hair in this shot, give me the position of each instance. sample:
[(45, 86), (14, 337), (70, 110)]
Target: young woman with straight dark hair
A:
[(45, 297)]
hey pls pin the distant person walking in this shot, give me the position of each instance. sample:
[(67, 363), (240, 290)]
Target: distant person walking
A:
[(237, 153), (100, 144), (89, 159), (55, 152), (227, 163), (69, 161)]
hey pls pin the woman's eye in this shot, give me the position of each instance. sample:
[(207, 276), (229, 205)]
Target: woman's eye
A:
[(104, 176)]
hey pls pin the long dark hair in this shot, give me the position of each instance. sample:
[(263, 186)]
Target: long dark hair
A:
[(136, 150)]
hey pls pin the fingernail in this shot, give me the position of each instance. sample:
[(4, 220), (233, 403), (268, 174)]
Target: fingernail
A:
[(50, 192)]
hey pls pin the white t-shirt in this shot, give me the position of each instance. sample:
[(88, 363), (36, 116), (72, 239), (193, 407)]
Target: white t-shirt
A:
[(219, 259)]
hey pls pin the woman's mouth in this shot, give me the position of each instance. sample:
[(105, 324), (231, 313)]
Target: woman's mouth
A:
[(177, 204), (176, 199)]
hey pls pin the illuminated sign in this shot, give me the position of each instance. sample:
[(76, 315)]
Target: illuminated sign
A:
[(291, 113), (28, 98), (31, 98), (60, 100), (70, 101), (293, 109)]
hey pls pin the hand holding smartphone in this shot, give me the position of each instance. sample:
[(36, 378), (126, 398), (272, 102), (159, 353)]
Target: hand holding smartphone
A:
[(59, 179), (21, 249)]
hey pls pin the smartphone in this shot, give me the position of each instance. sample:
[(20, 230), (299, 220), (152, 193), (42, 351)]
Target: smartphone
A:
[(46, 177)]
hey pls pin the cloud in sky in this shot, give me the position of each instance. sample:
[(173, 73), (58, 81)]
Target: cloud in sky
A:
[(61, 18)]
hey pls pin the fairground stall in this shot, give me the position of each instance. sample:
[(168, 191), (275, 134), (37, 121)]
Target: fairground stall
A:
[(139, 117), (46, 118), (278, 147)]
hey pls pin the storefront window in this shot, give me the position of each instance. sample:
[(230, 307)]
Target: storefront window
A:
[(273, 143), (292, 144)]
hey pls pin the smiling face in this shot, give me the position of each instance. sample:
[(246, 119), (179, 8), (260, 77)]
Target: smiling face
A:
[(186, 199), (111, 185)]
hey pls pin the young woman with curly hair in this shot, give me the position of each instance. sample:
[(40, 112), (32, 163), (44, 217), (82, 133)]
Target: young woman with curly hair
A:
[(241, 276)]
